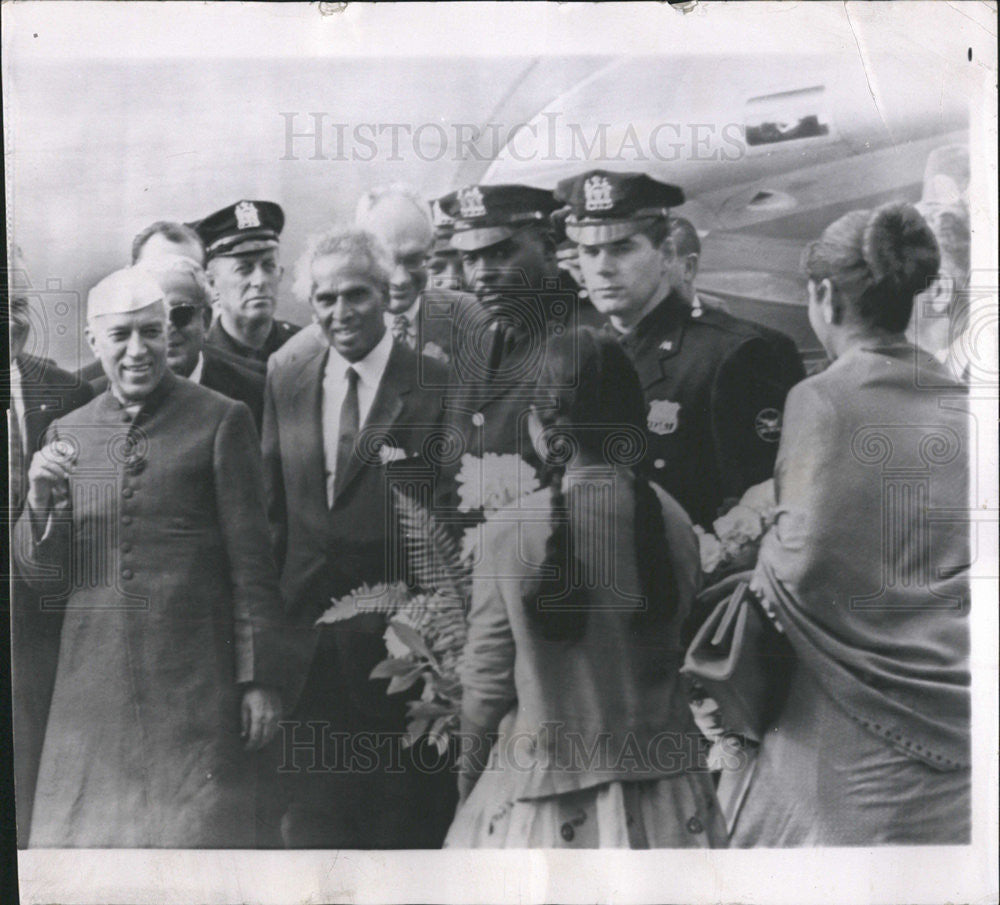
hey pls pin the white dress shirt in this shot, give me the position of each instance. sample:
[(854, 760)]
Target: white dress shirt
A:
[(370, 370), (195, 375)]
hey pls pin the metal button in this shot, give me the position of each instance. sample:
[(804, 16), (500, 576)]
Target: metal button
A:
[(694, 826), (126, 519), (126, 574), (659, 463), (127, 493), (567, 832), (478, 419)]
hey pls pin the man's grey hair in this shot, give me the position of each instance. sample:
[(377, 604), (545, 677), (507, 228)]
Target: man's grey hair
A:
[(341, 241), (396, 189), (166, 264)]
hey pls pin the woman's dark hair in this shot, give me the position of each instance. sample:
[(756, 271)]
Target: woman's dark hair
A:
[(591, 386), (877, 261)]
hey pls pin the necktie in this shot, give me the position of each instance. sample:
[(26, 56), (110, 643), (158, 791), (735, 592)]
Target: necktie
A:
[(347, 435), (401, 330)]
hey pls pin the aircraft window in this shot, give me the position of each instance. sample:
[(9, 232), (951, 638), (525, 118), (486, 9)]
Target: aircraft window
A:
[(788, 116)]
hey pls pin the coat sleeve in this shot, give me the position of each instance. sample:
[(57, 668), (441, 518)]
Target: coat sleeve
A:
[(43, 557), (748, 398), (487, 669), (253, 576), (274, 484)]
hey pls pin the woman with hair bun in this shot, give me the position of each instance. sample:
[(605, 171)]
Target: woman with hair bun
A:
[(864, 570), (573, 652)]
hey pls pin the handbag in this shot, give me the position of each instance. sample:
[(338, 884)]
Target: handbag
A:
[(742, 662)]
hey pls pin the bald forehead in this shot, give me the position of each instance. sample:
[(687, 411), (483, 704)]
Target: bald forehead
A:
[(397, 220)]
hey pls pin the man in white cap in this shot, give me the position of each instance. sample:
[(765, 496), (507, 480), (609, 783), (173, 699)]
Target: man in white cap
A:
[(145, 522)]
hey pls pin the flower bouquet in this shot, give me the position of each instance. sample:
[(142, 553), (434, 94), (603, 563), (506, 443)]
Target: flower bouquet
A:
[(734, 544), (426, 629)]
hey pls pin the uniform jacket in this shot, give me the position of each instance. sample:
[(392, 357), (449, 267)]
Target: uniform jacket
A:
[(281, 332), (324, 553), (171, 602), (49, 393), (716, 389), (233, 377), (442, 315)]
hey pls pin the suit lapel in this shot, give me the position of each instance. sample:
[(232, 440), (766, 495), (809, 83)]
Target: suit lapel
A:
[(305, 415), (389, 399)]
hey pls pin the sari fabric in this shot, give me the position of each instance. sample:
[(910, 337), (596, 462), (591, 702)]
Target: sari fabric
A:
[(866, 569)]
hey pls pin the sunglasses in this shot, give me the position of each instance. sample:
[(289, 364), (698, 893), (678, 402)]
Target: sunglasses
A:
[(182, 315)]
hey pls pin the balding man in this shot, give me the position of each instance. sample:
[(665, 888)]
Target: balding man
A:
[(145, 521)]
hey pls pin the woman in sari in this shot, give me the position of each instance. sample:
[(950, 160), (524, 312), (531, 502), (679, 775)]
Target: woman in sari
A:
[(573, 651), (866, 568)]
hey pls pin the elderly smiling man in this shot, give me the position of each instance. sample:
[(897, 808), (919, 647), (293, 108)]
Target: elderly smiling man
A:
[(333, 421), (145, 520)]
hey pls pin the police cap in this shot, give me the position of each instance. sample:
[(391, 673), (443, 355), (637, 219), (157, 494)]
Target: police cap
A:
[(605, 206), (240, 228)]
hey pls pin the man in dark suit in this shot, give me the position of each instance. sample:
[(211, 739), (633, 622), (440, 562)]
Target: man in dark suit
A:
[(145, 520), (241, 259), (186, 294), (332, 422), (428, 318), (40, 392), (715, 386)]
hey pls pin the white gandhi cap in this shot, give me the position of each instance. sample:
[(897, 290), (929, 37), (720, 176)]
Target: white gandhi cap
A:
[(123, 292)]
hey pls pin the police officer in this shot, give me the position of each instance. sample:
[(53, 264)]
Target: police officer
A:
[(444, 261), (687, 257), (241, 253), (505, 237), (714, 385)]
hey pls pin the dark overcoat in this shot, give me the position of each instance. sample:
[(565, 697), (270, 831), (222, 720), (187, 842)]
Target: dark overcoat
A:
[(163, 565)]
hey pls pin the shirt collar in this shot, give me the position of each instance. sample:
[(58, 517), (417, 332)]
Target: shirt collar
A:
[(370, 368), (195, 375), (410, 313)]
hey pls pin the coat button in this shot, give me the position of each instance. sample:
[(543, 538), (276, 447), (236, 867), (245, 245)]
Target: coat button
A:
[(567, 832), (478, 419), (126, 574), (127, 493), (126, 519), (694, 826), (126, 547), (659, 463)]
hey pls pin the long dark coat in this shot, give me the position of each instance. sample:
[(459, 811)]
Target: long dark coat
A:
[(171, 602)]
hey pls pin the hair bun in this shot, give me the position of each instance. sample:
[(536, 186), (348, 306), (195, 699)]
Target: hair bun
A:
[(900, 249)]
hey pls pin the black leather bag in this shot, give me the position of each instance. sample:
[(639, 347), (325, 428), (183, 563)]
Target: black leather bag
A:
[(740, 660)]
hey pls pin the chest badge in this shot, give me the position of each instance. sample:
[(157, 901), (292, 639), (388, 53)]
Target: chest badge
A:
[(663, 416), (767, 424)]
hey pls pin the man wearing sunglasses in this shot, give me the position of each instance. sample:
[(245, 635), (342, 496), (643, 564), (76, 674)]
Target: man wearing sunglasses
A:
[(186, 295)]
